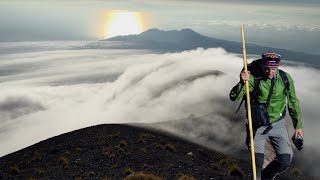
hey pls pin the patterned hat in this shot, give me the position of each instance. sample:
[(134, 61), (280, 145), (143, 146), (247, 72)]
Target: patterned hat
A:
[(271, 60)]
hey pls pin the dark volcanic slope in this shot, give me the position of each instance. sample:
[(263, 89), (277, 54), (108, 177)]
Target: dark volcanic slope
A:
[(114, 152), (117, 152)]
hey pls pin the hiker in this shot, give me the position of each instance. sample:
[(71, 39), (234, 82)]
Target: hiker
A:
[(271, 91)]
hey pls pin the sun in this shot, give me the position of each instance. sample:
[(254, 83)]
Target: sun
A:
[(123, 23)]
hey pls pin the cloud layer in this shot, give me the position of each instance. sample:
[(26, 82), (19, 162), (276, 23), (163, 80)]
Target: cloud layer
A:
[(48, 93)]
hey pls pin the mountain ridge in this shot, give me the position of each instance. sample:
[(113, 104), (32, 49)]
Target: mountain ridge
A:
[(123, 151), (187, 39), (119, 151)]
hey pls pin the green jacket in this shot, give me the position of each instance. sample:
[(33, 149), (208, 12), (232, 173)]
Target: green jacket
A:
[(278, 99)]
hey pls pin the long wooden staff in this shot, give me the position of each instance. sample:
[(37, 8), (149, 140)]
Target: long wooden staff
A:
[(253, 159)]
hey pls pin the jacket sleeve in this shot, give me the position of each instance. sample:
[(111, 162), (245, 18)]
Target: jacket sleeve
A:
[(293, 105), (239, 90)]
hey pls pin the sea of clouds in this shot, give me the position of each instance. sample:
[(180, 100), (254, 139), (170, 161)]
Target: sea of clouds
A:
[(61, 88)]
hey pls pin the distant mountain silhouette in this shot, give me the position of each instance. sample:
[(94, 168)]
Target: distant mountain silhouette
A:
[(187, 39), (159, 36)]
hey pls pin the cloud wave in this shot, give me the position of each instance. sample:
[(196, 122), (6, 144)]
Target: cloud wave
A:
[(189, 89)]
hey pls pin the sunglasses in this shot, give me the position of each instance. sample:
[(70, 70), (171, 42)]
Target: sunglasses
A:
[(270, 67)]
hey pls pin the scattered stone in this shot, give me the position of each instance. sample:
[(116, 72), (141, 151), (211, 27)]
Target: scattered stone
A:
[(190, 154)]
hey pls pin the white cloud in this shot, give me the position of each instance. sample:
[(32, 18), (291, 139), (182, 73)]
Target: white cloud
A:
[(149, 88), (260, 25)]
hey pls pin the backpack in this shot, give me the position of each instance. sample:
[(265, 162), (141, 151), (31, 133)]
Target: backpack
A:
[(253, 68)]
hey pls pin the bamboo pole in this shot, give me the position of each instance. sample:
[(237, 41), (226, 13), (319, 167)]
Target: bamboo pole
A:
[(253, 159)]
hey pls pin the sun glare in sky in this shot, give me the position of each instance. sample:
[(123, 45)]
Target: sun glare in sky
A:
[(123, 23)]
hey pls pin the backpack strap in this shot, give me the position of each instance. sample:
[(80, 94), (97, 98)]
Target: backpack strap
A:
[(285, 80), (270, 91)]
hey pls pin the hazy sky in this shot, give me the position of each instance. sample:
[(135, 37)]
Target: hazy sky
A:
[(289, 24)]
